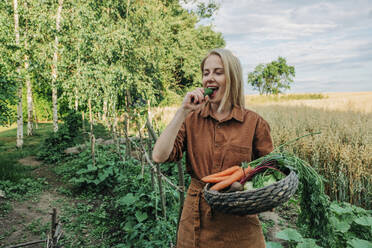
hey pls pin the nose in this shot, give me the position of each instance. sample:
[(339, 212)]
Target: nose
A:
[(209, 77)]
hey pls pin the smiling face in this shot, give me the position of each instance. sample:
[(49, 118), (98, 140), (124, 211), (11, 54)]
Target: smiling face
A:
[(214, 77)]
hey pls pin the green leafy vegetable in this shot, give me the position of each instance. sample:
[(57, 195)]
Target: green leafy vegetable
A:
[(208, 91)]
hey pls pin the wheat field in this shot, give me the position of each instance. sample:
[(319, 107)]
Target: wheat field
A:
[(341, 153)]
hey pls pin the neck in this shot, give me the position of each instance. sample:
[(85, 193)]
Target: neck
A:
[(220, 114)]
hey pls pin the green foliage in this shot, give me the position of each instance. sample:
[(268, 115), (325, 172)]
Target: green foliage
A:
[(101, 175), (139, 212), (206, 10), (22, 189), (356, 243), (7, 97), (351, 223), (129, 213), (36, 227), (42, 106), (273, 77), (314, 218), (10, 169), (73, 122), (273, 245), (295, 239), (52, 148), (8, 55)]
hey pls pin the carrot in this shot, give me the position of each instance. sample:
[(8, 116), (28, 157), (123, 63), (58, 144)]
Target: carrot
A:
[(236, 176), (209, 179), (226, 172)]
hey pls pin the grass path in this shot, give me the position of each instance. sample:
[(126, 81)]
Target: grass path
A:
[(28, 218), (25, 216)]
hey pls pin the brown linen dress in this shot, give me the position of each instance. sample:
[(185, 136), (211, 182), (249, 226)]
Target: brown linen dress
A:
[(212, 146)]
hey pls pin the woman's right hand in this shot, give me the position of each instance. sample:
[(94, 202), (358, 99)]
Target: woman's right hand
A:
[(193, 99)]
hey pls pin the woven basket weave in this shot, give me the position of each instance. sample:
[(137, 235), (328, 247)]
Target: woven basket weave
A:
[(253, 201)]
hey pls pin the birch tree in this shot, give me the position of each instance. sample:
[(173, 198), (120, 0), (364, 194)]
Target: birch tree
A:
[(55, 69), (28, 81), (20, 83)]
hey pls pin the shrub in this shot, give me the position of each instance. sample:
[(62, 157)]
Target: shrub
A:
[(52, 148)]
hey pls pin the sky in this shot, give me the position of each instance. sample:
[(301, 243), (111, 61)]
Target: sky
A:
[(328, 42)]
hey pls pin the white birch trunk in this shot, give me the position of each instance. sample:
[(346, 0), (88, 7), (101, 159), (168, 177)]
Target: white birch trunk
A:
[(90, 115), (30, 124), (20, 86), (104, 115), (35, 115), (54, 69), (76, 100)]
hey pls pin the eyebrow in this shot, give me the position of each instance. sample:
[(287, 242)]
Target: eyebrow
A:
[(218, 68)]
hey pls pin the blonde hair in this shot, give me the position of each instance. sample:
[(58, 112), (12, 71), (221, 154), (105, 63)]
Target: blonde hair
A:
[(234, 93)]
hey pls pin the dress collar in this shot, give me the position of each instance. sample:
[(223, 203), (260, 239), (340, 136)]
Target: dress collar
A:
[(237, 113)]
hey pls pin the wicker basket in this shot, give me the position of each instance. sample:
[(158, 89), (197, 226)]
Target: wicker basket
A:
[(253, 201)]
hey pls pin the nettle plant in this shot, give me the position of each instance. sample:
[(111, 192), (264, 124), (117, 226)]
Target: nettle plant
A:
[(351, 225), (132, 207)]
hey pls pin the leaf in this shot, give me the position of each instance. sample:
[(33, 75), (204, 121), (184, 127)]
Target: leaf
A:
[(358, 243), (127, 200), (364, 221), (308, 243), (141, 216), (289, 234), (340, 210), (273, 245), (341, 226), (128, 226)]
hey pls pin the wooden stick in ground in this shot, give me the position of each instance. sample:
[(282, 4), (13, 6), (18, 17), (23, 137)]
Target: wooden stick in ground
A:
[(158, 172), (54, 225), (181, 185), (27, 243), (90, 115), (83, 120), (149, 147), (162, 196), (93, 142), (152, 137), (142, 146), (128, 149), (150, 128)]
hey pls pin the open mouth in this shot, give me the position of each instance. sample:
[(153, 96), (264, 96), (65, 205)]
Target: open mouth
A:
[(215, 89)]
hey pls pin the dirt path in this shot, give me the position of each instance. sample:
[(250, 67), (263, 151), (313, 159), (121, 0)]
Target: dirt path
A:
[(30, 220)]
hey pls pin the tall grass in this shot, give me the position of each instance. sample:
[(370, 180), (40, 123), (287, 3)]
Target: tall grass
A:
[(10, 168), (342, 153), (257, 99)]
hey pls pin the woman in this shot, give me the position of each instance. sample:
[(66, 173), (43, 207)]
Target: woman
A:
[(216, 132)]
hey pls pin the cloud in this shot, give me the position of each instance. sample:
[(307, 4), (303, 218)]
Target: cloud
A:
[(324, 40)]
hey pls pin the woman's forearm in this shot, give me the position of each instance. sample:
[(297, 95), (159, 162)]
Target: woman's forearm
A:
[(164, 145)]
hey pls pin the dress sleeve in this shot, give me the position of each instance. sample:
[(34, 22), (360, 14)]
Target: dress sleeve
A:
[(262, 141), (179, 145)]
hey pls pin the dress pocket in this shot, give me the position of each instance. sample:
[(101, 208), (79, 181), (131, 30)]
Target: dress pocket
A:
[(235, 155), (235, 227)]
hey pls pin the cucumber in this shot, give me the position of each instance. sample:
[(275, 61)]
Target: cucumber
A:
[(208, 91)]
